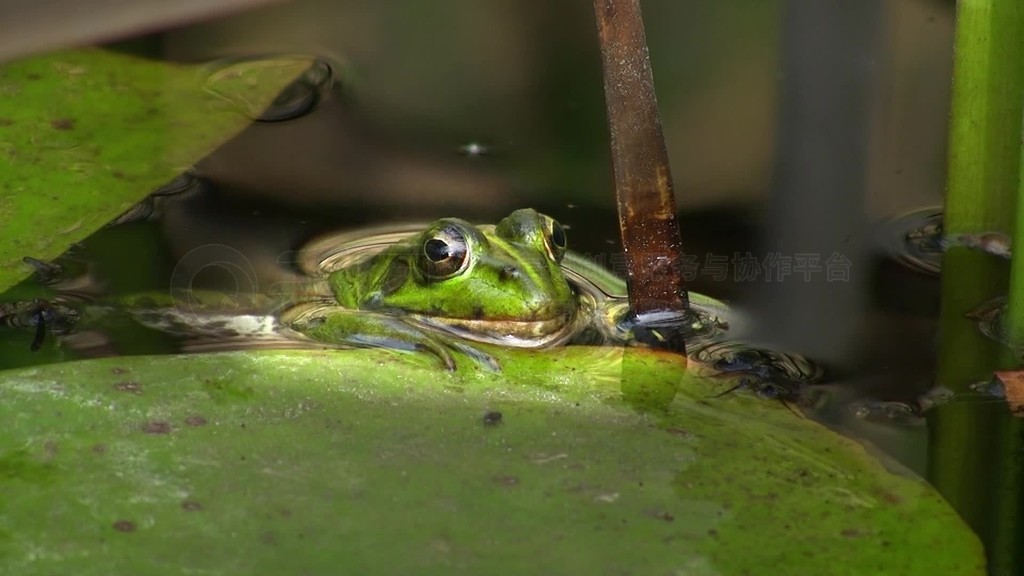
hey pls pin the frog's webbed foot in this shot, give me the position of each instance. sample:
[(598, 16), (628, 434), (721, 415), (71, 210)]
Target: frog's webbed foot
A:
[(340, 326)]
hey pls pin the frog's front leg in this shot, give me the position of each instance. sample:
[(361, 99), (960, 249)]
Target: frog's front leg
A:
[(341, 326)]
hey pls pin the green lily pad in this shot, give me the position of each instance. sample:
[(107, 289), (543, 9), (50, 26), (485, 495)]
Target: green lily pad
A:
[(368, 461), (85, 134)]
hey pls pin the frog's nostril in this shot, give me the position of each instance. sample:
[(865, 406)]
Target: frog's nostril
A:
[(509, 272)]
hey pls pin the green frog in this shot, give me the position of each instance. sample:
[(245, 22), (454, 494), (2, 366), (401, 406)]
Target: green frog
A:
[(453, 286)]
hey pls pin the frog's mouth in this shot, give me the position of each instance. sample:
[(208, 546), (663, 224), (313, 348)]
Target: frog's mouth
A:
[(519, 333)]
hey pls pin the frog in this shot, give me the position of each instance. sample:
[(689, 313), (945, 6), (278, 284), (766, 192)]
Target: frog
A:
[(453, 287)]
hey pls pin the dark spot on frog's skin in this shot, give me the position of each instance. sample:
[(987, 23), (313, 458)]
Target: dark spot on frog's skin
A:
[(99, 448), (191, 505), (157, 427), (851, 533), (492, 418), (129, 386), (117, 174), (195, 420), (118, 370), (33, 76), (63, 124), (478, 313), (509, 273), (124, 526), (506, 480), (50, 448), (6, 122)]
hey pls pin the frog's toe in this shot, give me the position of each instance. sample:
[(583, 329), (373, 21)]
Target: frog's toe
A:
[(440, 353), (482, 359)]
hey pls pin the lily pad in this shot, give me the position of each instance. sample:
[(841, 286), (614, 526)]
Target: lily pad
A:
[(85, 134), (569, 461)]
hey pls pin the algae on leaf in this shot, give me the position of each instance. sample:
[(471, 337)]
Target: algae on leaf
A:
[(85, 134), (368, 462)]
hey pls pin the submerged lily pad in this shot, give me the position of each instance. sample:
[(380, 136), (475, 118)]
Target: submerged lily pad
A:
[(85, 134), (367, 461)]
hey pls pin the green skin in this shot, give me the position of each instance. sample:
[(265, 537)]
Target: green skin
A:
[(455, 285)]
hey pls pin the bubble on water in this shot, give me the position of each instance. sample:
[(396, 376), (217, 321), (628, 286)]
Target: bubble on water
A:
[(899, 413), (916, 240), (237, 79), (935, 397)]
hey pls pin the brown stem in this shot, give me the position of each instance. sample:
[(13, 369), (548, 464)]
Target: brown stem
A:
[(643, 181)]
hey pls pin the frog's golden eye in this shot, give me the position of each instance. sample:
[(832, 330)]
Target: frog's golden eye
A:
[(556, 241), (444, 253)]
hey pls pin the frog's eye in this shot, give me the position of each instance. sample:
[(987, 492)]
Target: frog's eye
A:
[(444, 253), (556, 239)]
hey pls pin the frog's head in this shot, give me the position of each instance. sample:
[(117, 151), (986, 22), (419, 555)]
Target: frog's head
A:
[(489, 281)]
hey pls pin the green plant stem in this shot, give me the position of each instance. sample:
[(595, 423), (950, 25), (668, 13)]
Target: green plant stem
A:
[(988, 89), (1013, 317), (975, 456)]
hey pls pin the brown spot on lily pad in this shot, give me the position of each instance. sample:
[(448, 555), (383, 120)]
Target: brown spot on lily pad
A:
[(124, 526), (889, 497), (157, 427), (506, 480), (679, 432), (6, 122), (191, 505), (662, 515), (129, 386), (195, 420), (99, 448), (492, 418), (118, 370), (63, 124)]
